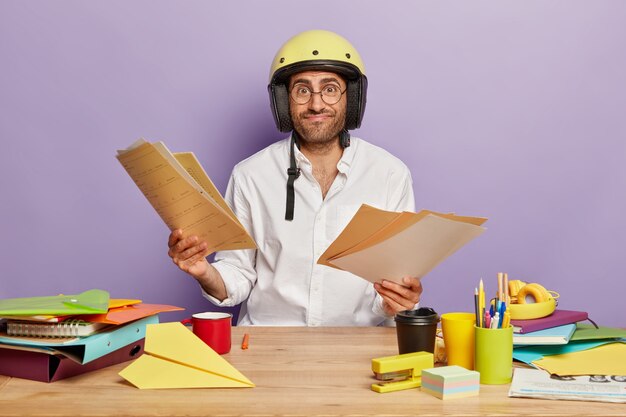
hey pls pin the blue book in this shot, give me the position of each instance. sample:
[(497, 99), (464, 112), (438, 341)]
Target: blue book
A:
[(559, 335)]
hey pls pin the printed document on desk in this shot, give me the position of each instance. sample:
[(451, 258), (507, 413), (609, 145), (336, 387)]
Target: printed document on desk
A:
[(379, 244), (183, 195), (535, 383)]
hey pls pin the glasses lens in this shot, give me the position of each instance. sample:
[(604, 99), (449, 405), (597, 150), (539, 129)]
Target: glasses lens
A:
[(300, 94), (331, 94)]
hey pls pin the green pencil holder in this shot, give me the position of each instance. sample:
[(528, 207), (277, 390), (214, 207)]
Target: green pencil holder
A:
[(494, 355)]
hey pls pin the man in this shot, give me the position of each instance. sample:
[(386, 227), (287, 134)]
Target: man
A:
[(317, 90)]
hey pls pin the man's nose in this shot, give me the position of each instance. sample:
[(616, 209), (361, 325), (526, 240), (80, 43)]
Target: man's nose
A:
[(316, 103)]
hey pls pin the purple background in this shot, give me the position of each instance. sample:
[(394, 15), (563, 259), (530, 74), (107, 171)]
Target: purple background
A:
[(509, 110)]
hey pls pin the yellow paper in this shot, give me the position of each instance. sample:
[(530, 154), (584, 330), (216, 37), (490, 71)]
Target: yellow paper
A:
[(176, 358), (602, 360), (121, 302)]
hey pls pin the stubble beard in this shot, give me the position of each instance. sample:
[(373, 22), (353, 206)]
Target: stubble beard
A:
[(322, 134)]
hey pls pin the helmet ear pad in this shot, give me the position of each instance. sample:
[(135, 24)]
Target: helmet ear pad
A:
[(355, 95), (279, 97), (355, 108)]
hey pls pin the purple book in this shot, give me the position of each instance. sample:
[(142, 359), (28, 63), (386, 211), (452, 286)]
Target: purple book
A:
[(558, 318)]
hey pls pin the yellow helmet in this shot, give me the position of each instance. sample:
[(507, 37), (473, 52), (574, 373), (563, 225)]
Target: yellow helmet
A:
[(317, 50)]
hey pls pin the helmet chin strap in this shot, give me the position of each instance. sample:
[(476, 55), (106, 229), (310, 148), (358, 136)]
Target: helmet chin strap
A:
[(293, 172)]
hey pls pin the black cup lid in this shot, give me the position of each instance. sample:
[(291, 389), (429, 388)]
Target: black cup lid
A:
[(423, 315)]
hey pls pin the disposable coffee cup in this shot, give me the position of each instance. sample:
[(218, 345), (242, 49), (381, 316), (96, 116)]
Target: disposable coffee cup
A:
[(416, 330)]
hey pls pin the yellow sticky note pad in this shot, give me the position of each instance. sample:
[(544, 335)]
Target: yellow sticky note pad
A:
[(175, 358)]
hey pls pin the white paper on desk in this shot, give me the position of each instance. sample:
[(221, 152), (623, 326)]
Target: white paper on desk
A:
[(412, 252), (536, 383)]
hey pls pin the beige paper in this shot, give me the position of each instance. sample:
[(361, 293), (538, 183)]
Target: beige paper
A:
[(403, 244), (181, 201)]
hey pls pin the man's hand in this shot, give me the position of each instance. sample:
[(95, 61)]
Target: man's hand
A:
[(188, 253), (398, 297)]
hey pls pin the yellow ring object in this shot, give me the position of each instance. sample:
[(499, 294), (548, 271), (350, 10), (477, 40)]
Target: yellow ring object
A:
[(532, 310), (532, 293)]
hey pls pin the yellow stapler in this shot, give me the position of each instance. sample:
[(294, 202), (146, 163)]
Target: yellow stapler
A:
[(400, 372)]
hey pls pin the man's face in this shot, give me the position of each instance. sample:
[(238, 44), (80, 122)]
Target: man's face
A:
[(316, 121)]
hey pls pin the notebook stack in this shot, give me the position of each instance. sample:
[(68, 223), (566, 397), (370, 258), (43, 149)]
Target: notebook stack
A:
[(555, 329), (51, 338), (447, 382)]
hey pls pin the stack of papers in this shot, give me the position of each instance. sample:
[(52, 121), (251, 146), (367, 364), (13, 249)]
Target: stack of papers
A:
[(379, 244), (590, 351), (539, 384)]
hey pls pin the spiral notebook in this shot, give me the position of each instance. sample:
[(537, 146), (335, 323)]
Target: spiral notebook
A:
[(67, 328)]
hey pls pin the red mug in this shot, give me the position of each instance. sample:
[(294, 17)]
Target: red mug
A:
[(213, 328)]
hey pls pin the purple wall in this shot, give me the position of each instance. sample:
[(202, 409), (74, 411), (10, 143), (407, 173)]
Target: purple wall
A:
[(514, 111)]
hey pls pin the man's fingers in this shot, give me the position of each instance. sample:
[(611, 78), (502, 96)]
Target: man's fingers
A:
[(174, 237), (193, 251), (183, 245), (393, 306), (189, 262), (403, 302), (409, 293)]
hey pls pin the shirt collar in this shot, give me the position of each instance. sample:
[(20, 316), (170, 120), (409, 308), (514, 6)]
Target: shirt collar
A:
[(343, 166)]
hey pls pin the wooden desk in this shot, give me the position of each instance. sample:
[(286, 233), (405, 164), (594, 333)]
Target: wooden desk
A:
[(298, 372)]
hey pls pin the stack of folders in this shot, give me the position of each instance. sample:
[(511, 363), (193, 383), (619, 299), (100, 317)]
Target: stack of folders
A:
[(55, 337), (572, 359)]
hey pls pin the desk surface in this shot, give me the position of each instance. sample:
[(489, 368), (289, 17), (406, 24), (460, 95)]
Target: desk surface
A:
[(297, 372)]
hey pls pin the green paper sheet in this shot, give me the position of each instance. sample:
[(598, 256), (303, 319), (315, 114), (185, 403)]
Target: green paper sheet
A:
[(88, 302)]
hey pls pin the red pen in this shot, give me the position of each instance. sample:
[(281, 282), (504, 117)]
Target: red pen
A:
[(487, 320)]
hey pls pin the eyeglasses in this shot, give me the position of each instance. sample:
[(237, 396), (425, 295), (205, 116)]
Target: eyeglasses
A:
[(330, 94)]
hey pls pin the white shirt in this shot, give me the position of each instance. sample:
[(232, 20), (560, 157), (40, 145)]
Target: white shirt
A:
[(280, 283)]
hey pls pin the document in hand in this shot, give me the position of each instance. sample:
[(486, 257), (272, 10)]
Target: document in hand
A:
[(379, 244), (183, 195)]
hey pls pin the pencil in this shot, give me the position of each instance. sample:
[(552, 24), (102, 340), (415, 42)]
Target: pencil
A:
[(244, 343), (506, 289), (476, 308), (481, 301)]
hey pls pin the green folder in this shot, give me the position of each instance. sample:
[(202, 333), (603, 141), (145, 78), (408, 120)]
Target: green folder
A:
[(88, 302), (588, 332)]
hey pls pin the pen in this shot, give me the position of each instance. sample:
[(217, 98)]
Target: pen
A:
[(487, 320), (244, 343), (507, 319)]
